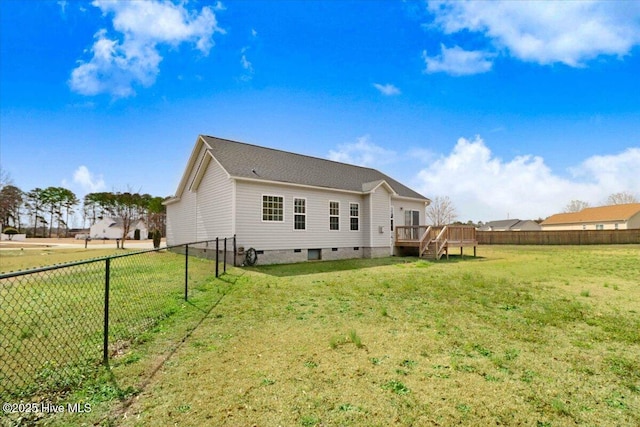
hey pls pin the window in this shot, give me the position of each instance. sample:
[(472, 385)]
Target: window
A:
[(334, 215), (599, 226), (354, 216), (273, 208), (299, 214)]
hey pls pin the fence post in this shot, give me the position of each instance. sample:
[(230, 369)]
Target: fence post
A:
[(224, 268), (105, 343), (186, 272), (217, 251), (235, 250)]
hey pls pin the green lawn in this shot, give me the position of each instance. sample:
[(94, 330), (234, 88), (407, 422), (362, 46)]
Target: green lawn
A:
[(536, 336), (18, 260)]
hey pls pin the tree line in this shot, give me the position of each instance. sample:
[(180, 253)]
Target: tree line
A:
[(46, 208), (442, 210), (613, 199)]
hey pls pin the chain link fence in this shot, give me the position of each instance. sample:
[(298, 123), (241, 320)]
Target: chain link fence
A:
[(58, 323)]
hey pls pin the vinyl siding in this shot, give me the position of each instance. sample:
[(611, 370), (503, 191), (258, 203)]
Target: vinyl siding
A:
[(213, 204), (252, 231), (402, 205), (606, 225), (380, 217), (204, 209)]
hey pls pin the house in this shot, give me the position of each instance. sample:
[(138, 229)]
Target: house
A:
[(110, 228), (288, 207), (613, 217), (510, 225)]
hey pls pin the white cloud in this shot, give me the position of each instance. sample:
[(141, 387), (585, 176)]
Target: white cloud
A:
[(246, 65), (388, 89), (119, 62), (615, 173), (485, 187), (363, 152), (546, 32), (90, 183), (458, 62), (63, 6)]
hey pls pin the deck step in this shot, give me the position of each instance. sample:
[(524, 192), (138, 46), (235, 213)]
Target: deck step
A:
[(430, 251)]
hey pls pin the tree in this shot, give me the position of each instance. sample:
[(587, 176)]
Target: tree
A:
[(5, 178), (128, 207), (53, 199), (10, 203), (98, 205), (576, 206), (156, 214), (69, 200), (35, 205), (441, 211), (621, 198)]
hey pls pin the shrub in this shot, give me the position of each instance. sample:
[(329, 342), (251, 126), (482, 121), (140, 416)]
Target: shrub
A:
[(156, 236), (10, 231)]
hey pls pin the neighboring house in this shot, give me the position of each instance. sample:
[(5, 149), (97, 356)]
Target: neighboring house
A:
[(510, 225), (614, 217), (288, 207), (110, 228)]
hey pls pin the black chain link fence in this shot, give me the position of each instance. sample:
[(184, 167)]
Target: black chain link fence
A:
[(58, 323)]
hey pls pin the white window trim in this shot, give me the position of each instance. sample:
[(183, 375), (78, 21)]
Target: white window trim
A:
[(338, 202), (351, 216), (284, 210), (303, 214)]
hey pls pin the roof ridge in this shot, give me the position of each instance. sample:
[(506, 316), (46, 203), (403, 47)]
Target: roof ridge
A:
[(290, 152)]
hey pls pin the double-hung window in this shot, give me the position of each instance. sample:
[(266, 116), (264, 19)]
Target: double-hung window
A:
[(299, 214), (273, 208), (354, 216), (334, 215)]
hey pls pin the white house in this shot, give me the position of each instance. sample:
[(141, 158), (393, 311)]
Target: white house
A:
[(110, 228), (288, 207)]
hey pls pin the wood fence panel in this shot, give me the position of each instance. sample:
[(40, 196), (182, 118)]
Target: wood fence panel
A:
[(569, 237)]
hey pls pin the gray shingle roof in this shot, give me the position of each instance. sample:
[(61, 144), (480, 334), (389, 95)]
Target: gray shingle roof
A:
[(243, 160), (501, 224)]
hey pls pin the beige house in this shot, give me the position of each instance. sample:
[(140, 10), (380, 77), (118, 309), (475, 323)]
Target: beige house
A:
[(614, 217)]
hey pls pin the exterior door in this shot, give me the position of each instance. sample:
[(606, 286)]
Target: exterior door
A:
[(412, 218)]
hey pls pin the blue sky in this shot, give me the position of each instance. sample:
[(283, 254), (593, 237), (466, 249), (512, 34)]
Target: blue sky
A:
[(508, 108)]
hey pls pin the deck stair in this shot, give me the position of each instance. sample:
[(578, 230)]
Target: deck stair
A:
[(434, 242)]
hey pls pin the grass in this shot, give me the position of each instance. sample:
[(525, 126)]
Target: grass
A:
[(18, 260), (520, 336), (53, 321)]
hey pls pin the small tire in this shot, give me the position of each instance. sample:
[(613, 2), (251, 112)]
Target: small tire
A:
[(251, 257)]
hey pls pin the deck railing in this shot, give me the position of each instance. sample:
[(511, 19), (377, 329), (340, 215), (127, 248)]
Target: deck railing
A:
[(413, 235), (459, 233)]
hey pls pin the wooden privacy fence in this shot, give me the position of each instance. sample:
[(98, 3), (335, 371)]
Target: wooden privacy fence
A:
[(568, 237)]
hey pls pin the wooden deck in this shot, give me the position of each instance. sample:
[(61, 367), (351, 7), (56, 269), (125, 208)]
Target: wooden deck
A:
[(433, 242)]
